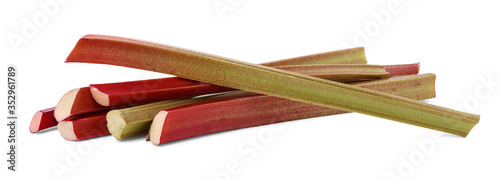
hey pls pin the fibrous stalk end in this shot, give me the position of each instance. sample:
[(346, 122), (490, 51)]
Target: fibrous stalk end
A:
[(116, 123), (63, 108), (157, 127), (66, 130)]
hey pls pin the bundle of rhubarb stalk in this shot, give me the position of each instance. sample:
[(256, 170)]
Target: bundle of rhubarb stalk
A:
[(212, 93)]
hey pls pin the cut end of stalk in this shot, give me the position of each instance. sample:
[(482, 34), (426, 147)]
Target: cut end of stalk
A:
[(77, 102), (63, 108), (100, 97), (66, 130), (35, 122), (157, 127), (116, 123)]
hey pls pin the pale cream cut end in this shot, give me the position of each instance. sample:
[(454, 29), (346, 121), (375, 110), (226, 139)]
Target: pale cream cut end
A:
[(116, 123), (65, 104), (35, 122), (99, 97), (157, 127), (66, 130)]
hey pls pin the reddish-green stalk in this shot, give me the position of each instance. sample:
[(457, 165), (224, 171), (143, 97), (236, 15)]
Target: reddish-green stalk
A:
[(146, 91), (254, 110), (265, 80), (346, 56)]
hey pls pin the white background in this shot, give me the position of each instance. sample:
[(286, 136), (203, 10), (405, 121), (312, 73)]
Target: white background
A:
[(457, 40)]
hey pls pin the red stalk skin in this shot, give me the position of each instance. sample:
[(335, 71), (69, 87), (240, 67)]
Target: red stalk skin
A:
[(146, 91), (43, 119), (89, 126), (232, 113), (404, 69)]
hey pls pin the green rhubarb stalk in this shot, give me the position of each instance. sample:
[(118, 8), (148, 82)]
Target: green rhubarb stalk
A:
[(265, 80), (135, 121)]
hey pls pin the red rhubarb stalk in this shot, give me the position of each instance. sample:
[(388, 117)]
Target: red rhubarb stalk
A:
[(83, 127), (43, 119), (146, 91), (80, 102), (248, 111)]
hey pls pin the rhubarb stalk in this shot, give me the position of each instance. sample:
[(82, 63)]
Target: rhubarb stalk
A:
[(265, 80), (241, 112), (134, 121), (146, 91)]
